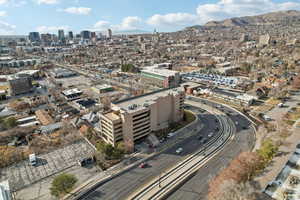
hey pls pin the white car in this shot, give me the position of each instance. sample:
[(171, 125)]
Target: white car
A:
[(179, 150), (210, 134)]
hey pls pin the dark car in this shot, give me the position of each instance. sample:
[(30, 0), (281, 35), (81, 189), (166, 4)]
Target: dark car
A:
[(86, 161), (200, 138)]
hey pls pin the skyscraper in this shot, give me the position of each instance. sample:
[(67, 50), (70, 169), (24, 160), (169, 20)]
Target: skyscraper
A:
[(34, 37), (70, 35), (109, 32), (93, 34), (61, 35), (85, 35)]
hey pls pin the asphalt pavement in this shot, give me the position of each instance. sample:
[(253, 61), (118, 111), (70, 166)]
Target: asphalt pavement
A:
[(121, 186), (197, 187)]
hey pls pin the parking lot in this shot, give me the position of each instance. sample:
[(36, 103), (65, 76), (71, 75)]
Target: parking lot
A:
[(211, 78), (23, 174)]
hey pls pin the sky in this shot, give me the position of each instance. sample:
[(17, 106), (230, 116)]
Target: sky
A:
[(47, 16)]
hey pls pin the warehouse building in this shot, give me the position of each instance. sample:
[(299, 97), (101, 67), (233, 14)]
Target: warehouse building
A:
[(160, 77), (135, 118)]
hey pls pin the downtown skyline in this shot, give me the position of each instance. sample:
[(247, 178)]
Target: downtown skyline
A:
[(18, 17)]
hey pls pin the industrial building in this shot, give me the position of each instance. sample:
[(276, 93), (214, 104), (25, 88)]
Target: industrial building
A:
[(100, 89), (62, 73), (160, 77), (20, 84), (135, 118)]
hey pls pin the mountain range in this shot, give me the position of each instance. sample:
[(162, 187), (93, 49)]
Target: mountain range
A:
[(281, 17)]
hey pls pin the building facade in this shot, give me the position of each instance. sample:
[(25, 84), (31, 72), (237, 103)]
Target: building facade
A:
[(135, 118), (161, 77), (20, 84)]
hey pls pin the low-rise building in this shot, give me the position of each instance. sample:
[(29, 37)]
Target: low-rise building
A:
[(5, 193), (100, 89), (160, 77), (135, 118), (72, 94), (19, 84)]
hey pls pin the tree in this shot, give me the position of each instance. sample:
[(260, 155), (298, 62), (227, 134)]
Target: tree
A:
[(268, 150), (240, 170), (9, 122), (63, 184)]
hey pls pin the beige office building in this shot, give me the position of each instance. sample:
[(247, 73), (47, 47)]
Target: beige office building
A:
[(135, 118)]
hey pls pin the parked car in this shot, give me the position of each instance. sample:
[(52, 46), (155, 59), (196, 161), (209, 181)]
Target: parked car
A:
[(85, 161), (143, 165), (179, 150)]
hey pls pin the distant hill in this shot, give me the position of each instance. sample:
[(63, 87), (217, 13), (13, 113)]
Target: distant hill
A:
[(282, 17)]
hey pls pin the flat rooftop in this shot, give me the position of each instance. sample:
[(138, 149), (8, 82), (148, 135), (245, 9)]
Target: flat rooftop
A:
[(112, 116), (140, 102), (160, 72)]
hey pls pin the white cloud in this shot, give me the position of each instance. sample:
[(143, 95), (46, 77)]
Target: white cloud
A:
[(3, 1), (47, 1), (172, 19), (51, 29), (2, 13), (237, 8), (78, 10), (102, 25), (128, 23), (6, 28)]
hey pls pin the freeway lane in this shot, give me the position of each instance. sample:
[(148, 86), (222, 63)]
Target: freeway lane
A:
[(197, 186), (123, 185)]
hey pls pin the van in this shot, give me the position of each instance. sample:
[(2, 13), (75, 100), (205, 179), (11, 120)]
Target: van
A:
[(32, 160)]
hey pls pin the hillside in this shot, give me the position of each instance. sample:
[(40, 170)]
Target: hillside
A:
[(282, 17)]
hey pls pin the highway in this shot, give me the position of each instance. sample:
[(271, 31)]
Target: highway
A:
[(162, 185), (197, 187), (122, 186)]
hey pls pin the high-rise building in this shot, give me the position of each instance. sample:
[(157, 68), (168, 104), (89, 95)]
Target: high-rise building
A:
[(34, 37), (93, 34), (86, 35), (46, 39), (109, 33), (61, 35), (70, 35)]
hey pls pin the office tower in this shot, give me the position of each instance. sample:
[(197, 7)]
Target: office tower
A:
[(93, 34), (34, 36), (86, 35), (61, 35), (109, 32), (70, 35)]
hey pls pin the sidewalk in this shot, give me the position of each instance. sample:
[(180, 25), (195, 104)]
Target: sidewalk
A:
[(286, 150), (271, 172)]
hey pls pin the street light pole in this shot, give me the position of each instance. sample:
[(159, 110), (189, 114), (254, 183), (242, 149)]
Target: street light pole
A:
[(159, 185)]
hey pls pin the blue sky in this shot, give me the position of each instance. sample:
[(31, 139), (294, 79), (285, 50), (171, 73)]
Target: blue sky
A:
[(23, 16)]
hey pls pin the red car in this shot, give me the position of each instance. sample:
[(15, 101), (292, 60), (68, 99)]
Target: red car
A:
[(143, 165)]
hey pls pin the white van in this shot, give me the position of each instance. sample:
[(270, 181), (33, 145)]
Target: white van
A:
[(32, 160)]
